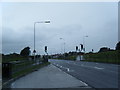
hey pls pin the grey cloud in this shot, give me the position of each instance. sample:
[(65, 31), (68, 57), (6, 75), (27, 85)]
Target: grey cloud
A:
[(16, 40)]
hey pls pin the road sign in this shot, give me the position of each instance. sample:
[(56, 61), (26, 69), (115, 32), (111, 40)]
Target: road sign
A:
[(34, 51)]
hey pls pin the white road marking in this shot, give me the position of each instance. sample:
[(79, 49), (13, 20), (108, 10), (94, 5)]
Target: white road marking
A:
[(98, 68), (61, 66), (68, 69), (89, 66), (84, 83), (85, 66), (12, 85), (57, 64)]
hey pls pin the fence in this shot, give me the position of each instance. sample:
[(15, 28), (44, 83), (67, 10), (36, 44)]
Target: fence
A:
[(9, 69)]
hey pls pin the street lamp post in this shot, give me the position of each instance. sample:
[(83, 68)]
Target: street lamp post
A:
[(84, 42), (34, 51), (64, 43), (64, 46)]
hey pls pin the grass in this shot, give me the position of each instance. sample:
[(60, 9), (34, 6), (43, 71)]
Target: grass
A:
[(69, 57), (28, 70), (72, 57), (23, 64), (13, 58), (105, 57)]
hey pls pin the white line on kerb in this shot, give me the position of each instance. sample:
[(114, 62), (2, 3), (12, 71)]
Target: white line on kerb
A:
[(84, 83)]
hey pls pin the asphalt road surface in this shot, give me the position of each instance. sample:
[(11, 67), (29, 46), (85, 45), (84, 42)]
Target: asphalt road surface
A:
[(96, 75)]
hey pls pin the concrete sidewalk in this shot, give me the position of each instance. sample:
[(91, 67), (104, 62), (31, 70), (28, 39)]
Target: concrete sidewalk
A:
[(48, 77)]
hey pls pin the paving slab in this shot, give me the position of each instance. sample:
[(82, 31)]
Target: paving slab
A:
[(48, 77)]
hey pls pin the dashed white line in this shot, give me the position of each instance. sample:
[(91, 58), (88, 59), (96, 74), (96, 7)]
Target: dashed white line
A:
[(61, 66), (68, 69), (12, 85), (89, 66), (98, 68)]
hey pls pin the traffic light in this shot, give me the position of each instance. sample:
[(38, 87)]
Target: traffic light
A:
[(76, 48), (46, 49), (92, 50), (81, 46)]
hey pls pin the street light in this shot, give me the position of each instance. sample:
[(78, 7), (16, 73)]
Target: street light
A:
[(84, 41), (64, 46), (64, 43), (34, 51)]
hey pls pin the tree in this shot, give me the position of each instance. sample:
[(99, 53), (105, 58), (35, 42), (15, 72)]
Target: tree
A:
[(104, 49), (118, 46), (25, 51), (66, 54)]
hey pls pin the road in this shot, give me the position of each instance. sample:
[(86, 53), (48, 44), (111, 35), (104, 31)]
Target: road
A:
[(96, 75)]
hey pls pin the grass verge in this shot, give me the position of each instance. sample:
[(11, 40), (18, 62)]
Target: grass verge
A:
[(28, 70), (103, 57)]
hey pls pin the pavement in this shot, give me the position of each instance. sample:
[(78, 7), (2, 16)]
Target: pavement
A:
[(48, 77), (96, 75)]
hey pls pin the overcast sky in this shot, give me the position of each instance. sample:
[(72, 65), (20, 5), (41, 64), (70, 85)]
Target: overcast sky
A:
[(70, 21)]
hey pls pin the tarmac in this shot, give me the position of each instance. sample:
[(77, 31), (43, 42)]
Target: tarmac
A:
[(48, 77)]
